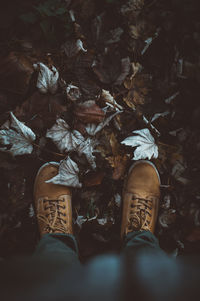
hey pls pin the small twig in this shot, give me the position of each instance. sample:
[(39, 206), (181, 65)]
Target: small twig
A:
[(168, 145), (152, 3), (48, 151)]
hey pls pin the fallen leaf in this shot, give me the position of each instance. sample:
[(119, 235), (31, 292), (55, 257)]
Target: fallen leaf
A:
[(194, 235), (145, 143), (31, 213), (17, 138), (110, 101), (139, 87), (39, 111), (72, 47), (119, 163), (67, 174), (47, 78), (83, 65), (65, 139), (92, 129), (89, 112), (112, 69), (86, 147), (80, 220), (15, 73), (114, 36), (118, 200), (167, 218), (73, 92), (93, 178), (132, 8)]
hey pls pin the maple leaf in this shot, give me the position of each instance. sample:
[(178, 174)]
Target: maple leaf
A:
[(67, 140), (87, 148), (47, 78), (63, 137), (67, 174), (16, 137), (145, 143)]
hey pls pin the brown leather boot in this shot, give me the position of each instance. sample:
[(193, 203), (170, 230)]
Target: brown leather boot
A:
[(140, 198), (52, 202)]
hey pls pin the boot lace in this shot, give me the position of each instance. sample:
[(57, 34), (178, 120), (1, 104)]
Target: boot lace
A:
[(54, 219), (140, 212)]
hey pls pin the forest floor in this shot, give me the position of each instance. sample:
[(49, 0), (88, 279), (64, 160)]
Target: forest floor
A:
[(79, 77)]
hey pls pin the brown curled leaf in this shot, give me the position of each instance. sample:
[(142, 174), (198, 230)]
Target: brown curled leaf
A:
[(89, 112)]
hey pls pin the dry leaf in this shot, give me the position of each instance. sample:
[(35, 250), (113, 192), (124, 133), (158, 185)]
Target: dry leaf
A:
[(80, 220), (73, 92), (47, 78), (63, 137), (17, 138), (114, 36), (145, 143), (15, 73), (94, 178), (132, 8), (110, 101), (86, 147), (167, 218), (72, 47), (119, 164), (39, 111), (89, 112), (67, 174), (92, 129), (139, 87), (67, 140), (112, 69)]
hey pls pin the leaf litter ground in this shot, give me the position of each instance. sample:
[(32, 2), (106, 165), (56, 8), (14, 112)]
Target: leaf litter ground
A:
[(119, 80)]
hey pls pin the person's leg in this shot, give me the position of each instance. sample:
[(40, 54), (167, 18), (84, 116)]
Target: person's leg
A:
[(58, 246), (140, 240), (148, 270), (54, 216)]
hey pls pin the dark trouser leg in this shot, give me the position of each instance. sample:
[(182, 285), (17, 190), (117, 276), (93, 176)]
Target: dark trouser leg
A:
[(58, 247), (140, 240), (149, 270)]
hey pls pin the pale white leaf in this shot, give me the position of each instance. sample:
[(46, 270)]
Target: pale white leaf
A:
[(47, 78), (62, 136), (157, 115), (73, 92), (67, 174), (86, 147), (110, 101), (118, 199), (67, 140), (102, 221), (31, 211), (79, 45), (144, 143), (80, 220), (16, 137), (169, 99)]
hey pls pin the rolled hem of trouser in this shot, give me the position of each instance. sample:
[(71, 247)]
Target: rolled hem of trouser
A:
[(66, 241), (140, 239)]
